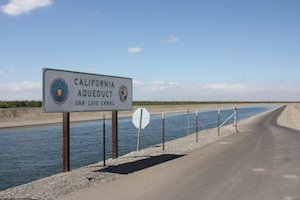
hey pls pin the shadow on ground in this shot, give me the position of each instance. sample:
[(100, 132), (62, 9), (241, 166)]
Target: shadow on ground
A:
[(131, 167)]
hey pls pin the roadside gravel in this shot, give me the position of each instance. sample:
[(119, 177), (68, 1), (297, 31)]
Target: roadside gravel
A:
[(90, 176)]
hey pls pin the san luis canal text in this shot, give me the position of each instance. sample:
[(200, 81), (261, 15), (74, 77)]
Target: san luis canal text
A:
[(94, 103)]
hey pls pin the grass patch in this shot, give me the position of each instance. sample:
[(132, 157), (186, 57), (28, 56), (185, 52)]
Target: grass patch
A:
[(149, 103), (32, 104)]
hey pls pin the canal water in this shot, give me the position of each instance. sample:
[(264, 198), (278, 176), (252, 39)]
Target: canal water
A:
[(34, 152)]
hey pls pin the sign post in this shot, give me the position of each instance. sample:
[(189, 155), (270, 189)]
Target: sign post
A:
[(67, 91), (140, 119), (66, 142), (114, 134)]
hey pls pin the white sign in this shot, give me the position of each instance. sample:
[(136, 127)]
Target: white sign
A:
[(65, 91), (141, 117)]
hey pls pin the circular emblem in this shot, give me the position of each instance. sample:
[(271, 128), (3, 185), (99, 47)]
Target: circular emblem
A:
[(123, 92), (59, 91)]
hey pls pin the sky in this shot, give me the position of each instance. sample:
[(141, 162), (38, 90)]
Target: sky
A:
[(174, 50)]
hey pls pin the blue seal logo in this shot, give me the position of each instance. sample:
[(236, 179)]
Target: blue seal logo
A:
[(123, 93), (59, 91)]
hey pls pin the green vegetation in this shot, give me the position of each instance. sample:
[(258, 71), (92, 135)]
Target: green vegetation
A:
[(149, 103), (30, 104), (20, 104)]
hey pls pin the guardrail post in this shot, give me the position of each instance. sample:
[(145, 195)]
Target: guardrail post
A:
[(104, 143), (235, 119), (219, 113), (163, 130), (196, 126)]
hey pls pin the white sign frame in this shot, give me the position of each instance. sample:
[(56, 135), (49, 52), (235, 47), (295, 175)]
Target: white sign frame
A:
[(69, 91)]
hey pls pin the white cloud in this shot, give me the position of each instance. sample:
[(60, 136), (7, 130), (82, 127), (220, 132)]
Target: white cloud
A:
[(17, 7), (171, 38), (134, 49), (1, 71), (173, 91), (176, 91), (21, 91), (92, 69)]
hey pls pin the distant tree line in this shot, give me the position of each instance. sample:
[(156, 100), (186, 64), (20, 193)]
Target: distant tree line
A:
[(149, 103), (31, 104), (20, 104)]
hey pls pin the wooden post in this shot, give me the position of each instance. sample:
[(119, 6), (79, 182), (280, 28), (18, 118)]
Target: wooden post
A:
[(66, 142), (114, 134)]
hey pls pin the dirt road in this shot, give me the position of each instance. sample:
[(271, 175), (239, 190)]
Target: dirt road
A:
[(261, 162)]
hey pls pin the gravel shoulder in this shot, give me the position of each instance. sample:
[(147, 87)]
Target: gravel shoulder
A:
[(290, 117), (63, 184)]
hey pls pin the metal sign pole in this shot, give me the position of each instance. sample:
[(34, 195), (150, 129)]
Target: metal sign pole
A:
[(140, 119), (66, 142), (139, 131), (104, 141)]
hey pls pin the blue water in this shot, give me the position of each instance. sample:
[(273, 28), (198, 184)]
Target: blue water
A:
[(31, 153)]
